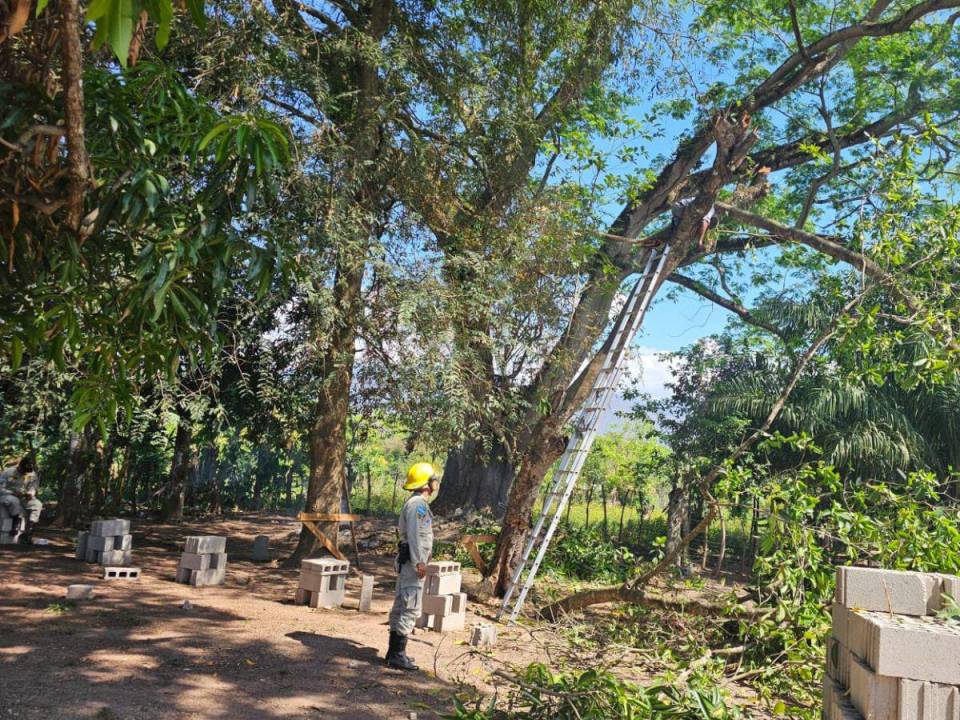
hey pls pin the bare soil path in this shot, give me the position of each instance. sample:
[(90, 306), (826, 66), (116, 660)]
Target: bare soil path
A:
[(241, 651)]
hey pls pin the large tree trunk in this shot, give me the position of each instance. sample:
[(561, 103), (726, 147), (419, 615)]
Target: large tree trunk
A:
[(678, 518), (328, 436), (172, 507), (557, 384), (360, 122), (546, 445), (78, 459), (475, 480)]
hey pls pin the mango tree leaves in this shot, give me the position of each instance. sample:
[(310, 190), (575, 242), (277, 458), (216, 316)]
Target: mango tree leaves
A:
[(117, 20)]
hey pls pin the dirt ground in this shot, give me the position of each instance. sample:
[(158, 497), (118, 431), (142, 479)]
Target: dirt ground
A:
[(242, 651)]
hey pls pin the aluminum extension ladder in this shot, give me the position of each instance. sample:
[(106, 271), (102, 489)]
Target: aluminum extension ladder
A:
[(585, 430)]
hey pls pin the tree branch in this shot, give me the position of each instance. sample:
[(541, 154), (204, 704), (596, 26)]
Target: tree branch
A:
[(840, 252), (78, 161), (726, 303)]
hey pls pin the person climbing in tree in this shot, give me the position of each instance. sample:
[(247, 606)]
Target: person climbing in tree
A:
[(745, 194), (416, 546)]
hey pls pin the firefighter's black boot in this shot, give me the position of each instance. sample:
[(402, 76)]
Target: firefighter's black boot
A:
[(396, 655)]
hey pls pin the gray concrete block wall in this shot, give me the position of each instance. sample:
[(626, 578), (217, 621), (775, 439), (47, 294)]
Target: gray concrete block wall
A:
[(108, 542), (203, 562), (323, 582), (444, 607), (903, 593), (205, 544), (890, 657)]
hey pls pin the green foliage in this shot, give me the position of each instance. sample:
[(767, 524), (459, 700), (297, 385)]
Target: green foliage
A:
[(582, 553), (540, 694), (168, 224), (816, 522)]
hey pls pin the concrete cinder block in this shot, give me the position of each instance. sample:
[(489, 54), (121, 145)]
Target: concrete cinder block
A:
[(261, 548), (210, 576), (425, 621), (451, 623), (836, 703), (114, 526), (82, 545), (325, 566), (92, 556), (318, 598), (183, 574), (445, 567), (875, 696), (100, 542), (838, 614), (949, 585), (218, 560), (116, 557), (918, 648), (440, 605), (443, 584), (483, 635), (123, 542), (79, 592), (205, 544), (839, 659), (858, 630), (121, 573), (459, 602), (323, 583), (920, 700), (900, 592), (195, 561), (366, 593), (326, 599)]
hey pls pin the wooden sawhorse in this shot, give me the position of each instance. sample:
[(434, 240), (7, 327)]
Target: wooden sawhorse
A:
[(310, 521)]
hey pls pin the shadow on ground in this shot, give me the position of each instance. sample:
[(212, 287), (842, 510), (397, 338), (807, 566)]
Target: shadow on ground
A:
[(241, 652)]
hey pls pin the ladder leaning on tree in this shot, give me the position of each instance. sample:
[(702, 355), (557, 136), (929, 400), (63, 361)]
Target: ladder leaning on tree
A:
[(584, 432)]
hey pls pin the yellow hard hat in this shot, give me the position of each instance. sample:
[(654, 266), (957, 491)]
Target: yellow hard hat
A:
[(418, 476)]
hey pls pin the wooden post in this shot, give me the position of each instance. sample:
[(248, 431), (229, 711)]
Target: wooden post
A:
[(368, 488), (470, 542)]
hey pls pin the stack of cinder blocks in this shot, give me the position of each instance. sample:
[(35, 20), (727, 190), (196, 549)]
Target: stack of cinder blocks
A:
[(444, 607), (108, 542), (7, 534), (323, 582), (204, 560), (890, 656)]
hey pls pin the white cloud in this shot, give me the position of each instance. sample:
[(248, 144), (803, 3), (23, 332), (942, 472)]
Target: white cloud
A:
[(645, 370), (648, 371)]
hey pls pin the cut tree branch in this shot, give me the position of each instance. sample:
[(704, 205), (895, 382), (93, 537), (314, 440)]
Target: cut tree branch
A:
[(736, 308)]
